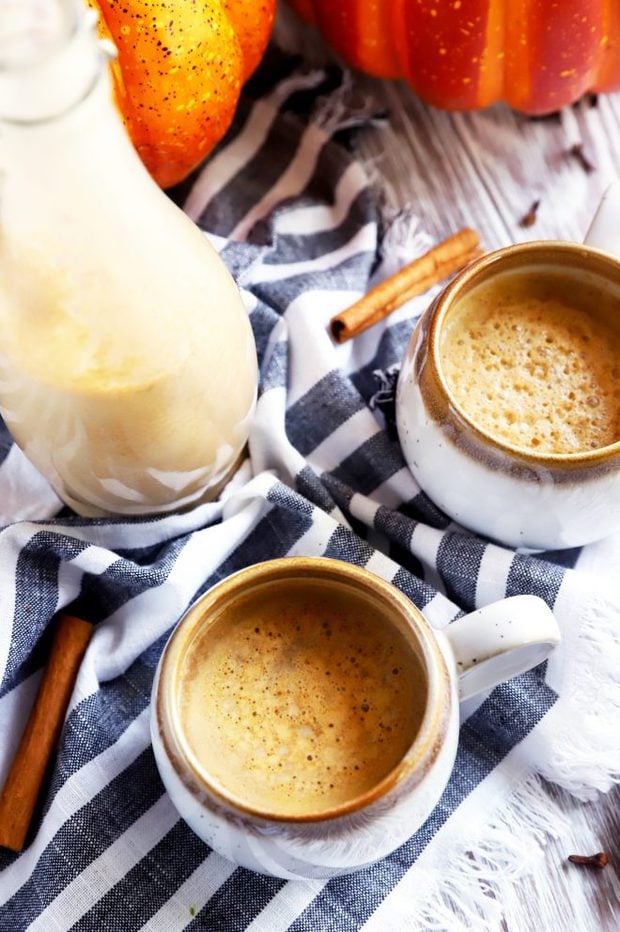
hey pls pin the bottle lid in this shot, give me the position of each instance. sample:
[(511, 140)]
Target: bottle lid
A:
[(50, 57)]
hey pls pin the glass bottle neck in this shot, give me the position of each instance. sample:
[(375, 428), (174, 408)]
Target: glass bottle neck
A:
[(50, 58), (67, 156)]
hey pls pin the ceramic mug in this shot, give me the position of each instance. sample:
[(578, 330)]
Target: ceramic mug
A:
[(217, 779), (509, 492)]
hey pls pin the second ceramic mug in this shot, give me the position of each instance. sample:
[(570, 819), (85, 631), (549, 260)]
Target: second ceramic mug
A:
[(304, 715), (512, 493)]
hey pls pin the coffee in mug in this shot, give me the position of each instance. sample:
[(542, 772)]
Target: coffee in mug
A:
[(534, 360), (297, 697), (508, 399), (305, 716)]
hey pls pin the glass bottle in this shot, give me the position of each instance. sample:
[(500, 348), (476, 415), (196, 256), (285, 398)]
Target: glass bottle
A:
[(127, 364)]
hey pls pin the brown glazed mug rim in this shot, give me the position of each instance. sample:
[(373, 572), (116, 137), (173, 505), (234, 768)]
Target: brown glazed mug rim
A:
[(541, 249), (429, 738)]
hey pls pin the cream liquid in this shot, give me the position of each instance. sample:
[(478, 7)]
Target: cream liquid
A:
[(127, 366)]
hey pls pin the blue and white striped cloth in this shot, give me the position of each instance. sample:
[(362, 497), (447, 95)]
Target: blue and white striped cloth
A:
[(296, 220)]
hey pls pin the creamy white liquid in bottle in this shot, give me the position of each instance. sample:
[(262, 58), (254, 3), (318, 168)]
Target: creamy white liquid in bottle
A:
[(127, 363)]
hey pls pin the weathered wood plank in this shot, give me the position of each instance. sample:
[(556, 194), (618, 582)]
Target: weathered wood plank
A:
[(486, 169)]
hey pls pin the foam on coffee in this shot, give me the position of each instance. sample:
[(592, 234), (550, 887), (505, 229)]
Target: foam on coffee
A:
[(534, 360), (300, 697)]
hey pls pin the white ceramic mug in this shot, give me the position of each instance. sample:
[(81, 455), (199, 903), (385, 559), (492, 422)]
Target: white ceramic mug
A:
[(519, 497), (471, 655)]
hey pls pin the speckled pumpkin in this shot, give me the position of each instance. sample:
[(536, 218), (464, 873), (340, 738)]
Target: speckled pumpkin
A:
[(537, 55), (179, 71)]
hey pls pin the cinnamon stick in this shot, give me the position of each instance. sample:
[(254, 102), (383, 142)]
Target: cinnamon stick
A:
[(434, 266), (21, 789)]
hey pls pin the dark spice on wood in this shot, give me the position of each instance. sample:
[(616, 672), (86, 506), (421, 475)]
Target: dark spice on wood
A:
[(529, 219), (599, 860), (577, 152)]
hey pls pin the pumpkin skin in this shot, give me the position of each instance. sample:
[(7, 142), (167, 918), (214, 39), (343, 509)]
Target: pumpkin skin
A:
[(179, 71), (537, 55)]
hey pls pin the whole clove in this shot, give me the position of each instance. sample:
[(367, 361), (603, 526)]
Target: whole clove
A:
[(577, 152), (599, 860), (529, 219)]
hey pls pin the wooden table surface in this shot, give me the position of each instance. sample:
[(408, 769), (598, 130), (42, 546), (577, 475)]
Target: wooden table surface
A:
[(486, 170)]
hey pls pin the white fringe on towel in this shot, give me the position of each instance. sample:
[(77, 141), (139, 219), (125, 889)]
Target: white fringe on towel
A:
[(577, 745)]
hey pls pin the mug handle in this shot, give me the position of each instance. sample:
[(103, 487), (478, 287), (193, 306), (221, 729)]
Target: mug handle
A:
[(501, 640), (604, 232)]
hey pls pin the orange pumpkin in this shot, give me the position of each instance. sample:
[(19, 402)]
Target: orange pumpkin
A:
[(179, 71), (537, 55)]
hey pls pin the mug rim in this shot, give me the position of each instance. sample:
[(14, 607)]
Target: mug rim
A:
[(430, 735), (466, 277)]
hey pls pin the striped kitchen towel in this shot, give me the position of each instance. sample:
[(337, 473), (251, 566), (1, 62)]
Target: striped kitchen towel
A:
[(295, 218)]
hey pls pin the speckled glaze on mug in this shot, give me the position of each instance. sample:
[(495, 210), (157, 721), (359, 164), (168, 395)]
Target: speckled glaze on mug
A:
[(522, 498), (471, 655)]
